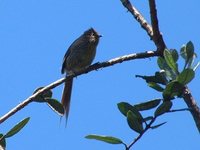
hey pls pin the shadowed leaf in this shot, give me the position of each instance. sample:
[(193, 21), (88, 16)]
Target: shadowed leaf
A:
[(41, 97), (2, 142), (163, 108), (156, 86), (172, 89), (148, 105), (191, 61), (189, 50), (125, 107), (183, 52), (55, 105), (159, 77), (186, 76), (174, 54), (133, 122)]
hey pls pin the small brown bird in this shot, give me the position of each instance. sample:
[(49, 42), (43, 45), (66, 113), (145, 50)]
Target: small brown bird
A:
[(79, 56)]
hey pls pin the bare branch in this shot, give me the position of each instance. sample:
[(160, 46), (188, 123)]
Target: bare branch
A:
[(194, 109), (89, 69), (157, 37), (138, 16)]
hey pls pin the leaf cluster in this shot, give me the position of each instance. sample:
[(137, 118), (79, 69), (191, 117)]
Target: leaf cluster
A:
[(170, 81)]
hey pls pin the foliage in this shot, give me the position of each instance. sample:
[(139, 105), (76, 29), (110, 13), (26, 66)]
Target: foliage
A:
[(170, 81), (46, 97), (12, 132)]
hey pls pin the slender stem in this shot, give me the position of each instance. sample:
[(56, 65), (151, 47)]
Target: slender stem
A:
[(148, 126)]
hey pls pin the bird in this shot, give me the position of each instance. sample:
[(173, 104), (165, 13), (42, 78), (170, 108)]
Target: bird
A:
[(79, 56)]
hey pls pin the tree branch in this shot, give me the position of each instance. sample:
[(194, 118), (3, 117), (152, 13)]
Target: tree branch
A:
[(157, 37), (138, 16), (155, 34), (160, 44), (191, 103), (148, 126), (96, 66)]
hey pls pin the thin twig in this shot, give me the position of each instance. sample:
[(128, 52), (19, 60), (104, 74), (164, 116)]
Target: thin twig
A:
[(141, 134), (96, 66), (138, 16), (157, 37), (148, 126)]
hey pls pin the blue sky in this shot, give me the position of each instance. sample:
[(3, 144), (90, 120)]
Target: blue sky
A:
[(34, 36)]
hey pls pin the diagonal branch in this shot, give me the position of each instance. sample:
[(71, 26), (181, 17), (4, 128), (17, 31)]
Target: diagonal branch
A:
[(94, 67), (157, 37), (193, 107), (138, 16)]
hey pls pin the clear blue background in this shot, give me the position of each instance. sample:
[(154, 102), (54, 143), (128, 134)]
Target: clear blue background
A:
[(34, 36)]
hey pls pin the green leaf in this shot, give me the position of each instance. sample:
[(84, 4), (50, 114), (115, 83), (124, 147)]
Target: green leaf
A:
[(191, 61), (170, 60), (163, 108), (107, 139), (148, 105), (185, 76), (174, 88), (183, 52), (133, 122), (41, 98), (125, 107), (148, 118), (167, 70), (158, 125), (56, 106), (2, 142), (17, 127), (48, 94), (174, 54), (156, 86), (189, 50), (159, 77)]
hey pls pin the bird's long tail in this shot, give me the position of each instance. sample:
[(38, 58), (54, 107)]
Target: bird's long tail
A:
[(66, 96)]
